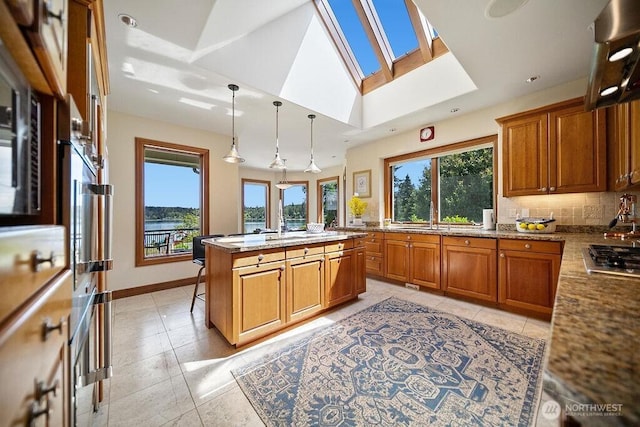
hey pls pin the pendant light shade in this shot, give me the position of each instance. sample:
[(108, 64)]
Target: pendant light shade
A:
[(233, 156), (312, 165), (277, 162), (283, 184)]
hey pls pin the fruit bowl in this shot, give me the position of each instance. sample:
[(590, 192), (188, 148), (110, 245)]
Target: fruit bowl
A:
[(536, 225)]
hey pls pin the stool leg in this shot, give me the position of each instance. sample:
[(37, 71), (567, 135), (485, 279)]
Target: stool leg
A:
[(195, 290)]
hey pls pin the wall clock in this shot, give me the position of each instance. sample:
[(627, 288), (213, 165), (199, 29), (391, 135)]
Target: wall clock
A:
[(427, 133)]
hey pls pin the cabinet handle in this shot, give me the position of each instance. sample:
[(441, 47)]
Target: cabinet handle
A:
[(47, 327), (50, 14), (37, 259), (42, 390), (543, 189), (466, 242), (282, 268), (35, 411), (501, 254), (260, 257), (306, 251), (552, 188), (527, 246)]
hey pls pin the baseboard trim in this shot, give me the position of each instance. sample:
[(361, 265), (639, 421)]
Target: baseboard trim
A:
[(140, 290)]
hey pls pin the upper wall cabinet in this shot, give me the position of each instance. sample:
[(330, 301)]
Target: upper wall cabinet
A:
[(624, 152), (48, 35), (556, 149)]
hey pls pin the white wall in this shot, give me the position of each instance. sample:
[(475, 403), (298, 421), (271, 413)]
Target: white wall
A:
[(224, 184), (569, 209)]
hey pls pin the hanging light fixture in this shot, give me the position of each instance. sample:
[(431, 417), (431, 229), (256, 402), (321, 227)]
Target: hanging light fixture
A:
[(312, 165), (277, 162), (283, 184), (233, 156)]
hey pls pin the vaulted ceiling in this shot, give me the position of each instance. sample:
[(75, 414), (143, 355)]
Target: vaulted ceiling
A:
[(176, 64)]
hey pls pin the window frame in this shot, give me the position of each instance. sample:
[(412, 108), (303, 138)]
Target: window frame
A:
[(319, 206), (428, 48), (434, 154), (267, 184), (293, 183), (140, 145)]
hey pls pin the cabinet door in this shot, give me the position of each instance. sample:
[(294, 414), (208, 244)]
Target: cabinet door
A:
[(360, 273), (633, 118), (424, 260), (528, 280), (305, 287), (577, 145), (525, 156), (470, 271), (259, 292), (339, 286), (396, 260)]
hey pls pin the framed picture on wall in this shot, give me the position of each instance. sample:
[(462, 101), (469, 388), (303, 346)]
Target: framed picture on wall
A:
[(362, 183)]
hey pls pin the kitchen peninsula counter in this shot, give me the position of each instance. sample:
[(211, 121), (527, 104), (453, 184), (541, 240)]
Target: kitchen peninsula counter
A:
[(257, 285), (593, 354)]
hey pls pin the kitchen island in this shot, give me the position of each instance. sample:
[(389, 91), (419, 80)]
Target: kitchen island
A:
[(259, 284)]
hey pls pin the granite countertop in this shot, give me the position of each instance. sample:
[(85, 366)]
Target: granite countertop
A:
[(593, 355), (255, 242)]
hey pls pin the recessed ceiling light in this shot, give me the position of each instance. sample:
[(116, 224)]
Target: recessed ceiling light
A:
[(609, 90), (128, 20), (532, 79), (620, 54), (501, 8), (393, 129), (455, 110)]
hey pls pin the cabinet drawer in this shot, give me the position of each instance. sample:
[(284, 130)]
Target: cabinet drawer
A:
[(472, 242), (374, 265), (257, 257), (359, 242), (26, 356), (338, 246), (530, 245), (374, 246), (374, 235), (305, 251), (413, 237)]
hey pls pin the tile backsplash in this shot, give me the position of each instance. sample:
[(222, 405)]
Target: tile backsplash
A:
[(568, 209)]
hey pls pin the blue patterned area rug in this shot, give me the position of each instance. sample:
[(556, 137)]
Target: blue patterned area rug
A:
[(399, 363)]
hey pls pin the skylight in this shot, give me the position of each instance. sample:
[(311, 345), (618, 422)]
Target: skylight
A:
[(380, 40)]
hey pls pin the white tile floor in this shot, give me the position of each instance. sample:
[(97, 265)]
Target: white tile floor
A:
[(169, 370)]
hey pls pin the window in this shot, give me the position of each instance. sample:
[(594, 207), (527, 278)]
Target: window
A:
[(255, 205), (380, 40), (295, 202), (451, 184), (328, 197), (172, 200)]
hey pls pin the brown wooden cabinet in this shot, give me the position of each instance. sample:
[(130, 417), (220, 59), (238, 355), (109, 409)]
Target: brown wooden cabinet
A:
[(339, 273), (469, 267), (305, 282), (556, 149), (528, 274), (624, 152), (413, 258), (259, 294), (360, 273), (374, 244)]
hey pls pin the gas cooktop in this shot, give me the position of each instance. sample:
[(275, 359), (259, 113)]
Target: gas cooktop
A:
[(621, 260)]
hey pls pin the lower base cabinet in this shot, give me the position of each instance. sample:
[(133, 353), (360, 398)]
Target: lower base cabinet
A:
[(360, 270), (469, 267), (339, 285), (528, 274), (305, 286)]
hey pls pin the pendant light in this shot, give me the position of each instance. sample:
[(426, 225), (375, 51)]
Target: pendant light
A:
[(233, 156), (283, 184), (277, 162), (312, 165)]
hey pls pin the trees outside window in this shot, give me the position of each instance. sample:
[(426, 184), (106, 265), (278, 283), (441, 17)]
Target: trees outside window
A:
[(454, 183), (328, 198), (255, 205), (295, 202)]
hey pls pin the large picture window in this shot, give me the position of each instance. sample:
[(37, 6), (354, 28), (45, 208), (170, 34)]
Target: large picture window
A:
[(172, 200), (255, 205), (295, 205), (451, 184)]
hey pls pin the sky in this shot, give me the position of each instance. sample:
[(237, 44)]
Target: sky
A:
[(171, 186)]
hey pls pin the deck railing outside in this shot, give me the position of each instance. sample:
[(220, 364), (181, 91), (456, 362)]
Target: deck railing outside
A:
[(169, 241)]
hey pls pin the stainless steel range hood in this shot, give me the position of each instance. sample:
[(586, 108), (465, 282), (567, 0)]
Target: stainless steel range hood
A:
[(615, 78)]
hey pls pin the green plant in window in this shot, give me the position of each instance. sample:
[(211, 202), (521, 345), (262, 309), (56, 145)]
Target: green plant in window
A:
[(456, 219)]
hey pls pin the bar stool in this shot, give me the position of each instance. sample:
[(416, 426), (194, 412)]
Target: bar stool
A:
[(199, 259)]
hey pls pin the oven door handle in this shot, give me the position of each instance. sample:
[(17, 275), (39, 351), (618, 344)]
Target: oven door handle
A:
[(102, 306), (105, 192)]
